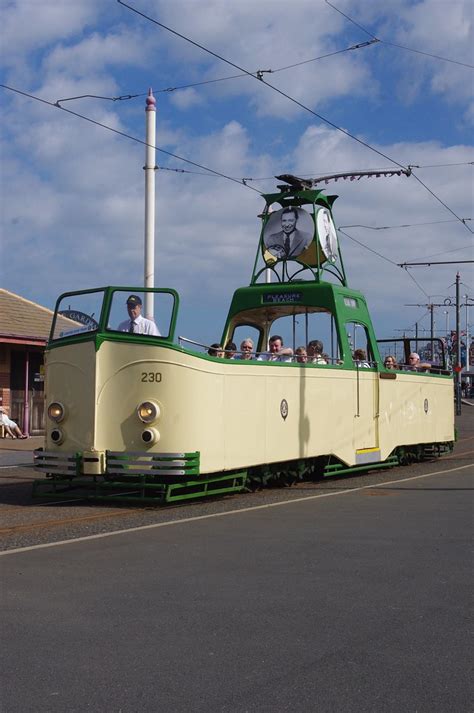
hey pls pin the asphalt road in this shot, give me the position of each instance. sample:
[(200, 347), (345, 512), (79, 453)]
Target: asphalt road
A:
[(347, 595)]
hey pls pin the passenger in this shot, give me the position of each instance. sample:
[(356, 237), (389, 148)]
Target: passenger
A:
[(360, 358), (277, 352), (12, 429), (246, 349), (413, 362), (315, 352), (215, 350), (301, 355), (230, 350), (390, 362), (136, 324)]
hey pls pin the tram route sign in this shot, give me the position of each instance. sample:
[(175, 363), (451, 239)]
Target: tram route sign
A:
[(80, 317)]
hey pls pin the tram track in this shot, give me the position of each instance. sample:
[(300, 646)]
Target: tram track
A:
[(122, 514), (22, 528)]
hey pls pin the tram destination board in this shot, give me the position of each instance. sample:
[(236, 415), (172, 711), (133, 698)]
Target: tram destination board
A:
[(281, 297)]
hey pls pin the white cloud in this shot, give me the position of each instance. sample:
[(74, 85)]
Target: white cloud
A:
[(186, 98), (28, 25)]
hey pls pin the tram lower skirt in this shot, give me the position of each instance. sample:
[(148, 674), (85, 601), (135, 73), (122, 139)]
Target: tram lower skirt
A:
[(140, 489)]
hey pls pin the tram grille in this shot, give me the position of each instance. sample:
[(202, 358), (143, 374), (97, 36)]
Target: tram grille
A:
[(167, 465)]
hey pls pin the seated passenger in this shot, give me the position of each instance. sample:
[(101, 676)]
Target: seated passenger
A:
[(12, 429), (301, 355), (413, 362), (390, 362), (276, 350), (230, 350), (215, 350), (246, 349), (360, 358), (315, 352)]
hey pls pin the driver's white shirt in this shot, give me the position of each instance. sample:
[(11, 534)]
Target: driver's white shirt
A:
[(141, 326)]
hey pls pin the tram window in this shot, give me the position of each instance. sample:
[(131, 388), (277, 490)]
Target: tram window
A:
[(243, 332), (394, 348), (77, 314), (358, 338), (148, 319), (301, 328)]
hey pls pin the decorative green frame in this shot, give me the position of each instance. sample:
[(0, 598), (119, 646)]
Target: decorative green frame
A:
[(286, 199)]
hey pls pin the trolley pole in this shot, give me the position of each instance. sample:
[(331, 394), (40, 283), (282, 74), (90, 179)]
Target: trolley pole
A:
[(150, 168), (458, 367)]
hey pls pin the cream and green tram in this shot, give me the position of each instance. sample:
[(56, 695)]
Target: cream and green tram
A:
[(149, 416)]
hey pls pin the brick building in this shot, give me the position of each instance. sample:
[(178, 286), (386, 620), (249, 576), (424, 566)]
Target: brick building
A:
[(24, 331)]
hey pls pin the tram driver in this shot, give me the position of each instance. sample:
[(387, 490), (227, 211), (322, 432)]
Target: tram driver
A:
[(136, 324)]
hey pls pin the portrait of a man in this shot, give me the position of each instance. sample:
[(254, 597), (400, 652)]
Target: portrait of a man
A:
[(288, 233), (327, 234)]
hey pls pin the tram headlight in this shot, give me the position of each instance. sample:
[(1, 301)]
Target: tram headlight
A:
[(150, 436), (56, 412), (57, 436), (148, 411)]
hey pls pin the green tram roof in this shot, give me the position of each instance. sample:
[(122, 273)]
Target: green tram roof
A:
[(278, 299)]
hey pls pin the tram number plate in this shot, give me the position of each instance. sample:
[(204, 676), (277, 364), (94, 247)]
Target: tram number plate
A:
[(150, 376)]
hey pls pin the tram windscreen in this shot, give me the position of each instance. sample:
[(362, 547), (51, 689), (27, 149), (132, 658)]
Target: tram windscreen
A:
[(143, 313), (77, 314), (301, 328)]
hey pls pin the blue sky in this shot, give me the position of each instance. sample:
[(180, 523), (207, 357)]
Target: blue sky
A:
[(73, 193)]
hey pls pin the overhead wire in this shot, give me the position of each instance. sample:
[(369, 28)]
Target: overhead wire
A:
[(128, 136), (442, 202), (392, 262), (443, 252), (416, 282), (125, 97), (392, 44), (403, 225), (260, 78)]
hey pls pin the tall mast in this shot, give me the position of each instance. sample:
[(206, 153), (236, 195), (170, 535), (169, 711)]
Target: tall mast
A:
[(150, 168)]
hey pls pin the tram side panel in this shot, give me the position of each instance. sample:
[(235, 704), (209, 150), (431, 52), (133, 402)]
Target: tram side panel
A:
[(415, 409)]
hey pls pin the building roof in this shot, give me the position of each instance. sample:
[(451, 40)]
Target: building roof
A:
[(23, 321)]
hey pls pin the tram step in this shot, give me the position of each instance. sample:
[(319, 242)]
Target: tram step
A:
[(340, 469)]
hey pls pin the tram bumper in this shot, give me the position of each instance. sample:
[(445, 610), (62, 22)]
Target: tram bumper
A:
[(118, 465)]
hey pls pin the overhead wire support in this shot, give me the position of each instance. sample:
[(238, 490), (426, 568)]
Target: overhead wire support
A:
[(392, 44), (290, 98), (271, 86), (124, 97), (127, 136)]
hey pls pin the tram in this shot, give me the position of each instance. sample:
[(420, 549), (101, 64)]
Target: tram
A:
[(144, 415)]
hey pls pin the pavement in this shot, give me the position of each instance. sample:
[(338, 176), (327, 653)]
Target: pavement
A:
[(355, 603), (21, 444)]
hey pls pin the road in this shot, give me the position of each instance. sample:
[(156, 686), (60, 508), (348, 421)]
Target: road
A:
[(346, 595)]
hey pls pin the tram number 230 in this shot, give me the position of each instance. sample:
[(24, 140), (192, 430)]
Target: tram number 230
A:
[(150, 376)]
